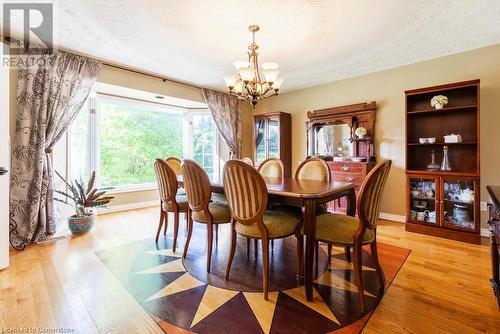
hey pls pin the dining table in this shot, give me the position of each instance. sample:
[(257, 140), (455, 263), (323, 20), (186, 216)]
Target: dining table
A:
[(306, 194)]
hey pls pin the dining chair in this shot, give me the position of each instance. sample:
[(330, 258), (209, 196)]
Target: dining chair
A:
[(247, 197), (315, 169), (247, 160), (170, 201), (203, 210), (175, 164), (345, 230), (272, 167)]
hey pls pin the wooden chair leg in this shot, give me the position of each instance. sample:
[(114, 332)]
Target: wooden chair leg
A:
[(265, 264), (210, 240), (176, 230), (255, 247), (231, 252), (162, 217), (189, 232), (300, 252), (329, 254), (347, 250), (248, 248), (380, 273), (358, 273), (216, 234), (166, 224)]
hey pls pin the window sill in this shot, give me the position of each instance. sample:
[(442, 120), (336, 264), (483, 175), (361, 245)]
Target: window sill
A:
[(130, 189)]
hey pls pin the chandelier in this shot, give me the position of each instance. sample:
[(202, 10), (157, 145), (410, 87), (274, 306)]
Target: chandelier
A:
[(247, 84)]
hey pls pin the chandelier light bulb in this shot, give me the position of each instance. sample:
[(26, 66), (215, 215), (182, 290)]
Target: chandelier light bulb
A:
[(230, 81), (277, 83), (271, 75)]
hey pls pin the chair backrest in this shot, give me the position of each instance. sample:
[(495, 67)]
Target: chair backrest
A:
[(370, 194), (271, 167), (175, 164), (197, 185), (313, 169), (246, 192), (247, 160), (166, 179)]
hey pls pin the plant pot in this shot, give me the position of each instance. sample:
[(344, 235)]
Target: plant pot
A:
[(81, 224), (439, 106)]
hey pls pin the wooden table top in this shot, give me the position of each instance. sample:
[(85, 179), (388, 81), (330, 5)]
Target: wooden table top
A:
[(292, 187)]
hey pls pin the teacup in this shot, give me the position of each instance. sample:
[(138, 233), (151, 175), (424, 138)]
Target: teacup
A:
[(423, 140), (421, 215), (431, 140)]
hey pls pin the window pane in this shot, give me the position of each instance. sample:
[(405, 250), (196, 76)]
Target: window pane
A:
[(132, 136), (204, 141), (80, 144)]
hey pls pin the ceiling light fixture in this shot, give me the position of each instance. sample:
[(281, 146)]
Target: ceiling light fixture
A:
[(247, 83)]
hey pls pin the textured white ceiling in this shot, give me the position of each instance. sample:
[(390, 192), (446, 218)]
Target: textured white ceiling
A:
[(314, 41)]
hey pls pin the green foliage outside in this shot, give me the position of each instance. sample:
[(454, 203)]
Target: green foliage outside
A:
[(204, 141), (131, 140)]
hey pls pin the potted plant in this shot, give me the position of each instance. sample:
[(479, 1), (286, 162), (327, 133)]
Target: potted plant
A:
[(84, 198), (361, 132)]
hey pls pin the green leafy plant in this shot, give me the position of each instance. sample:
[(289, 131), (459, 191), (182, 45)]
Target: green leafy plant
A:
[(83, 196)]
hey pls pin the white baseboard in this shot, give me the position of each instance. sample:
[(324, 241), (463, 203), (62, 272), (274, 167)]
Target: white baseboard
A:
[(126, 207), (392, 217)]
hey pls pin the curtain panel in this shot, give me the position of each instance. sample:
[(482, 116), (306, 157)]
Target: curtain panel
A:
[(51, 90), (226, 113)]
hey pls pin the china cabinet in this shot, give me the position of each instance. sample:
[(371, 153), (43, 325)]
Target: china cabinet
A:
[(273, 139), (331, 135), (442, 162)]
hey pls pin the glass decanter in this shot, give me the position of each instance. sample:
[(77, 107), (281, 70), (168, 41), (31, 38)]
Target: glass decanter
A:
[(445, 164), (433, 165)]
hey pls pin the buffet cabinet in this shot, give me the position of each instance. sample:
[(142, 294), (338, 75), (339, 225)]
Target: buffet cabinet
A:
[(354, 172), (273, 139)]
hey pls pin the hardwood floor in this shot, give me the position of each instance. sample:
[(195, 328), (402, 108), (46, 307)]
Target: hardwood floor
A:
[(442, 287)]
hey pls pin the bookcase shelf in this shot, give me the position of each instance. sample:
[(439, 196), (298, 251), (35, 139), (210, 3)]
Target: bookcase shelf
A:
[(454, 219)]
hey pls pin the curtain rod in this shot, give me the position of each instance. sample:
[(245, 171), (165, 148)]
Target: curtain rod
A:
[(10, 39)]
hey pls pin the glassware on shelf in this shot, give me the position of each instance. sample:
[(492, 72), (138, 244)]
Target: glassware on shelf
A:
[(445, 164), (433, 165)]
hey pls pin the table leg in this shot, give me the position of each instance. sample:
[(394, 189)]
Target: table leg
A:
[(351, 203), (309, 214)]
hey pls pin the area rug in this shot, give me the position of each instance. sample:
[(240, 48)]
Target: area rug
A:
[(183, 298)]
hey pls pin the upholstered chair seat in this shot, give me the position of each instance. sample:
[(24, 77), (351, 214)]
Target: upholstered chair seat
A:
[(181, 202), (279, 224), (220, 213), (339, 229)]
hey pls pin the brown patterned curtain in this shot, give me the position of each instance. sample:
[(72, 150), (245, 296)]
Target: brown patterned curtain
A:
[(51, 90), (226, 112)]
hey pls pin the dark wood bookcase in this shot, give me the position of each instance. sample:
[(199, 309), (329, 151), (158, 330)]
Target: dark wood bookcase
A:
[(442, 193)]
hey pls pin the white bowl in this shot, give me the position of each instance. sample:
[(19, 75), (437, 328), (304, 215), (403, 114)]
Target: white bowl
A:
[(422, 140), (431, 140)]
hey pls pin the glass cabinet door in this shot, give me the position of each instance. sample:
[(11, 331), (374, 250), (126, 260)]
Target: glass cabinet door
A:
[(260, 140), (459, 207), (423, 200), (273, 140)]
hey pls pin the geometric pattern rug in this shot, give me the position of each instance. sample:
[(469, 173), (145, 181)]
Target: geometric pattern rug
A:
[(182, 298)]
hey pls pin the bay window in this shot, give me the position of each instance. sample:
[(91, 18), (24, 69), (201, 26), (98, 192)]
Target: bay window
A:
[(120, 139)]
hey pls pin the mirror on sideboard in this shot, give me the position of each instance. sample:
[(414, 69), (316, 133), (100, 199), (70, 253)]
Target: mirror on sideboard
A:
[(332, 140)]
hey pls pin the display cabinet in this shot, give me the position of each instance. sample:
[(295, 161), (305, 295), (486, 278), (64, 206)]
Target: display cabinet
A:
[(443, 177), (273, 139)]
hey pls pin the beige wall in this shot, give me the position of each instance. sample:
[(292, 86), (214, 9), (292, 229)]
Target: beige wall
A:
[(387, 89)]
